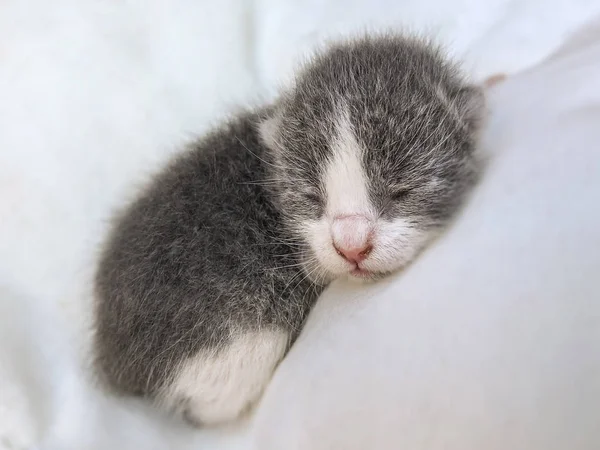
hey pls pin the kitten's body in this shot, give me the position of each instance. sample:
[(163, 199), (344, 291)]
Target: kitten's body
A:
[(209, 275), (199, 261)]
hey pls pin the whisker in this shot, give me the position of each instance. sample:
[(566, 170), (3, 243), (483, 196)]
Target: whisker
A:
[(285, 267)]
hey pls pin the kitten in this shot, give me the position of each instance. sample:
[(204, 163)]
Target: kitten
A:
[(207, 278)]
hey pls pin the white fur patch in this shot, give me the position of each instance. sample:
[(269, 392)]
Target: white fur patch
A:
[(269, 131), (345, 180), (219, 387), (395, 243)]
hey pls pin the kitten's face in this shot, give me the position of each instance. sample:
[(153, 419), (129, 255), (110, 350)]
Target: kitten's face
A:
[(364, 212), (368, 175)]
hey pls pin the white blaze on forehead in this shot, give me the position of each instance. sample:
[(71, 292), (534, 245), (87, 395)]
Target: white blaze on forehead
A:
[(345, 179)]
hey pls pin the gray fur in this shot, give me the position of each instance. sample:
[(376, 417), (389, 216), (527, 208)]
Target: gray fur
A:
[(212, 245)]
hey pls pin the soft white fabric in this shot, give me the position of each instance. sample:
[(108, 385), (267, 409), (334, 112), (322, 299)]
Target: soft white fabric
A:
[(94, 95), (491, 340)]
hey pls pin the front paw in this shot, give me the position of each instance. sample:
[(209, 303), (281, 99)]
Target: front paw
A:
[(222, 385)]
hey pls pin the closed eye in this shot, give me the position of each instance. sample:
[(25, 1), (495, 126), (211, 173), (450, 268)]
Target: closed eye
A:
[(399, 194), (312, 198)]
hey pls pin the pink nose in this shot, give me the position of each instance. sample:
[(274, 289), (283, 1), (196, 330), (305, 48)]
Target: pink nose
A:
[(352, 237), (354, 255)]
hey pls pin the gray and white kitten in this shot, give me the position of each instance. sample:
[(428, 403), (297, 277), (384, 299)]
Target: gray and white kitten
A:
[(207, 278)]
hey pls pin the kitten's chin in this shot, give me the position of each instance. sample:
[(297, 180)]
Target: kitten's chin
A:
[(365, 277), (324, 274), (358, 276)]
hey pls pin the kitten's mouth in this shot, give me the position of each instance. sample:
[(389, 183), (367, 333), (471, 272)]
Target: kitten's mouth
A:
[(358, 273)]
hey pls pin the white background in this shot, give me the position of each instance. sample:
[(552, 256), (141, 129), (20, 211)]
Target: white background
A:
[(94, 95)]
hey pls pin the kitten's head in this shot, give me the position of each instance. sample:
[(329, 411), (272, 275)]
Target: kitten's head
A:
[(373, 150)]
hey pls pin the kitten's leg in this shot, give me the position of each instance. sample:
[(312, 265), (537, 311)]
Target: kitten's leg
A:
[(219, 386)]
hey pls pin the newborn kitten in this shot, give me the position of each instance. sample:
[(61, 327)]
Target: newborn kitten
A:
[(207, 278)]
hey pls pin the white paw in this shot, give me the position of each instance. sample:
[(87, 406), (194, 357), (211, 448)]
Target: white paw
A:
[(215, 388)]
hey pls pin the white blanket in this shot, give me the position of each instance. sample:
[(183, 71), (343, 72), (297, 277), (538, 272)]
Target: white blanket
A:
[(491, 340), (94, 95)]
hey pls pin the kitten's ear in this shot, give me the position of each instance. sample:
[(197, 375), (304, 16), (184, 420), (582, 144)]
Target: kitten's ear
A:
[(269, 130), (470, 103)]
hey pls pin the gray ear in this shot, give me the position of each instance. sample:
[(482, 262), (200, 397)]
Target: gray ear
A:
[(268, 131), (470, 103)]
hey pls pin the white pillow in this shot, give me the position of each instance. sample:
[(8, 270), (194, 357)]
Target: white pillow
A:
[(491, 340)]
